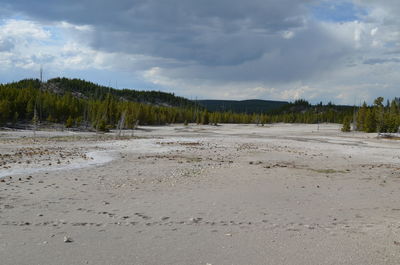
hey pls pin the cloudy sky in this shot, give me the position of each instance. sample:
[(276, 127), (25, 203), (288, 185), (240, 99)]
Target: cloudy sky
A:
[(341, 51)]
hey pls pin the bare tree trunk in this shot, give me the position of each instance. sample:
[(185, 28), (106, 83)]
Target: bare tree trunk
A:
[(121, 124)]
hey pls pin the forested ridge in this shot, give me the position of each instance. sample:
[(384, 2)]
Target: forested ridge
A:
[(78, 103), (91, 90)]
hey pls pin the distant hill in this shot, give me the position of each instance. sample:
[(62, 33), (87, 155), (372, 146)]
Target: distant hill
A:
[(85, 89), (243, 106)]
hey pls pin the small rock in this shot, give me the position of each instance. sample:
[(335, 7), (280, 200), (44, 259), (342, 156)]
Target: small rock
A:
[(68, 239), (195, 220)]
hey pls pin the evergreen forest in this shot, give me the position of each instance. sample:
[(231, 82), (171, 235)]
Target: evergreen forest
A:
[(78, 103)]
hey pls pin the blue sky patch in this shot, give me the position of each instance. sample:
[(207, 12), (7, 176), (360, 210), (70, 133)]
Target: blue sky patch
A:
[(337, 12)]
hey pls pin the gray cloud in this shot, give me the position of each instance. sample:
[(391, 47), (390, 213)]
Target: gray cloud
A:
[(373, 61), (206, 32), (265, 48), (6, 45), (310, 52), (219, 40)]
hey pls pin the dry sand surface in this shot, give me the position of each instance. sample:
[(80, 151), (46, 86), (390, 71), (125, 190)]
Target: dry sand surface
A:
[(232, 194)]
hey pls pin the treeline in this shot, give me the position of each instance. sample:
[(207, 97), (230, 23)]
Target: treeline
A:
[(29, 104), (301, 111), (380, 117), (30, 101), (242, 106)]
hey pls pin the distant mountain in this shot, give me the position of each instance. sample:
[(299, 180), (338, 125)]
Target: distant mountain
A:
[(243, 106)]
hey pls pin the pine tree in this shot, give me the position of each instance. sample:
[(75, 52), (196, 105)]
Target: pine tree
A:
[(346, 124), (361, 115), (370, 123)]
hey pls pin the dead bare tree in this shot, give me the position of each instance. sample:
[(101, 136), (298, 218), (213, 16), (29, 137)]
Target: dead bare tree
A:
[(121, 124), (35, 121)]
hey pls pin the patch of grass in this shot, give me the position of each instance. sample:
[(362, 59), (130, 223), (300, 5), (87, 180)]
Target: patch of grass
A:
[(328, 171)]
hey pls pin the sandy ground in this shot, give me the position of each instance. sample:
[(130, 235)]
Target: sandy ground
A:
[(232, 194)]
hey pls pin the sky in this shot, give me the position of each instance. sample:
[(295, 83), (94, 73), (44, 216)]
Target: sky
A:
[(344, 51)]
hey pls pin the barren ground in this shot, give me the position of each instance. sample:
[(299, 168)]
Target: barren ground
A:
[(232, 194)]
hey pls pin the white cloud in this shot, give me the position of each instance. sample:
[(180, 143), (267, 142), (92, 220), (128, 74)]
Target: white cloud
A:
[(23, 29)]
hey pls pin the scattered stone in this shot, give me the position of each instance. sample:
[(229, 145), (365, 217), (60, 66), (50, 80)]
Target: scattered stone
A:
[(67, 239), (195, 220)]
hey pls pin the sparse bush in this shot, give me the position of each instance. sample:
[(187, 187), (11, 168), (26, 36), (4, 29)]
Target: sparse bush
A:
[(70, 122), (102, 126)]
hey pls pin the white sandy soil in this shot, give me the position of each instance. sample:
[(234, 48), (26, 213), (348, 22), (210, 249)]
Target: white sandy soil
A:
[(230, 194)]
